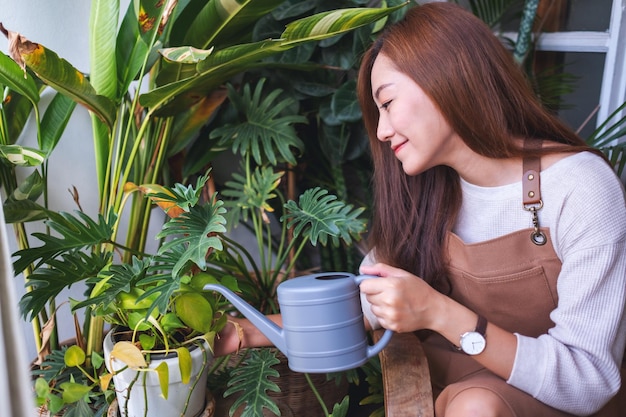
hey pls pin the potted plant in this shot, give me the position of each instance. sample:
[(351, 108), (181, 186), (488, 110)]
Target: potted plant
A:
[(153, 304), (147, 103), (262, 130)]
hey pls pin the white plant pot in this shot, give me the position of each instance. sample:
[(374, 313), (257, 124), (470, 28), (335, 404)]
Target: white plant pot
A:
[(144, 398)]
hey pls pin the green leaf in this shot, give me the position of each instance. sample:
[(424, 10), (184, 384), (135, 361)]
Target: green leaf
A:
[(17, 109), (253, 193), (42, 389), (195, 311), (263, 128), (21, 155), (97, 360), (147, 341), (341, 409), (327, 24), (48, 281), (17, 211), (320, 215), (252, 380), (75, 232), (74, 356), (119, 279), (54, 121), (344, 103), (73, 391), (491, 11), (221, 65), (63, 77), (170, 322), (198, 230), (222, 21), (103, 23), (131, 50), (12, 76)]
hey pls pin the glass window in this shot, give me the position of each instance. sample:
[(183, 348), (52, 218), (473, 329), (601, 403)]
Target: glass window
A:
[(587, 69), (566, 15)]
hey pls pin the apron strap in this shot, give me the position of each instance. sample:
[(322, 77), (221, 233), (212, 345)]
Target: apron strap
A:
[(531, 199), (530, 180)]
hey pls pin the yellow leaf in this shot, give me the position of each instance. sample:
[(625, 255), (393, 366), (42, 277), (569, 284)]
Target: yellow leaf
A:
[(129, 354), (184, 364), (168, 205), (105, 380), (164, 378)]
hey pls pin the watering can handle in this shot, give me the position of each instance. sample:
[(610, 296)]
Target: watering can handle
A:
[(380, 345)]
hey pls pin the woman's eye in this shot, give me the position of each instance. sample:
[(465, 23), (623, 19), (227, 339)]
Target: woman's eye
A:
[(385, 105)]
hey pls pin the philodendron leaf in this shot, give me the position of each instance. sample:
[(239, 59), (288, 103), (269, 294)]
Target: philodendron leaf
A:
[(164, 378), (42, 389), (198, 230), (129, 354), (195, 311), (252, 380), (320, 215), (105, 380), (73, 391), (184, 364), (341, 409), (74, 356)]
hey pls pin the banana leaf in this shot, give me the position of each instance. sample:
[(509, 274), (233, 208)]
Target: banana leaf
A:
[(219, 66)]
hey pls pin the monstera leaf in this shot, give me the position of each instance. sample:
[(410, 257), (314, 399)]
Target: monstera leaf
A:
[(261, 131)]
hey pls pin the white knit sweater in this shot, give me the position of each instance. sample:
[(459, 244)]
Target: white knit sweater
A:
[(575, 367)]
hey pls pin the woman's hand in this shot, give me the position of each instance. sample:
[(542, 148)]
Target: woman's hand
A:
[(240, 333), (230, 339), (401, 301)]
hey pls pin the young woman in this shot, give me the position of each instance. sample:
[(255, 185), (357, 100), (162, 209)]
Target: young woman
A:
[(495, 227), (500, 236)]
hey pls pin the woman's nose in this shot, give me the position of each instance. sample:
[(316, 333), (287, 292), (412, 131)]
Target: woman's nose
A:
[(384, 131)]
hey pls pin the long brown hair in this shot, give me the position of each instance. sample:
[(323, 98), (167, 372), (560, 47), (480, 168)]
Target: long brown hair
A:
[(483, 95)]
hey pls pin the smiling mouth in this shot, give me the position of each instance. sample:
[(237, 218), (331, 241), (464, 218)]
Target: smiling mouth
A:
[(397, 147)]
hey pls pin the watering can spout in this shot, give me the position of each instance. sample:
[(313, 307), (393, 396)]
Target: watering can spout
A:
[(270, 329)]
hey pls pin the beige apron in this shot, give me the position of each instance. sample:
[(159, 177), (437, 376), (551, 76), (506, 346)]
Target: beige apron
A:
[(511, 281)]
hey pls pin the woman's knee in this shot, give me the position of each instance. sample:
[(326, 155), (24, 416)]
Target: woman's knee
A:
[(472, 402)]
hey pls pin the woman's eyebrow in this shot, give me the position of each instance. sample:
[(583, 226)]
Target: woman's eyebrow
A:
[(378, 90)]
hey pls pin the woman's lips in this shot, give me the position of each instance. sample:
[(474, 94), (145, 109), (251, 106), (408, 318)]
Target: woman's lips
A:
[(396, 148)]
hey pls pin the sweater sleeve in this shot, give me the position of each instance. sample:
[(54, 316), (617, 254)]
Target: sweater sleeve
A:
[(575, 367)]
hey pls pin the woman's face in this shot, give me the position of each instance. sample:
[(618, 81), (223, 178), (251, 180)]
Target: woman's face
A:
[(418, 134)]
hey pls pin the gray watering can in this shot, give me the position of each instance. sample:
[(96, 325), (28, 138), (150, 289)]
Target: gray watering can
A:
[(323, 329)]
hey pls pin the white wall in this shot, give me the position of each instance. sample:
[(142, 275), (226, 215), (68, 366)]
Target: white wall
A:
[(60, 25)]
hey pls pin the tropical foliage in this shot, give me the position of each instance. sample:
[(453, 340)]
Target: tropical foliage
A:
[(156, 77)]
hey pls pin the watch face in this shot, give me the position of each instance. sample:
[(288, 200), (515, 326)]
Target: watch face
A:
[(473, 343)]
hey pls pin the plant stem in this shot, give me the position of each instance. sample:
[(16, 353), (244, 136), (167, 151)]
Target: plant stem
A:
[(317, 394)]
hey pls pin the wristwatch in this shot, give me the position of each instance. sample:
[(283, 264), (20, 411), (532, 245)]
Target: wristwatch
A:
[(473, 343)]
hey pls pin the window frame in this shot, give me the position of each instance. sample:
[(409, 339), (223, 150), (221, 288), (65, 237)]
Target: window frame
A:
[(612, 43)]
